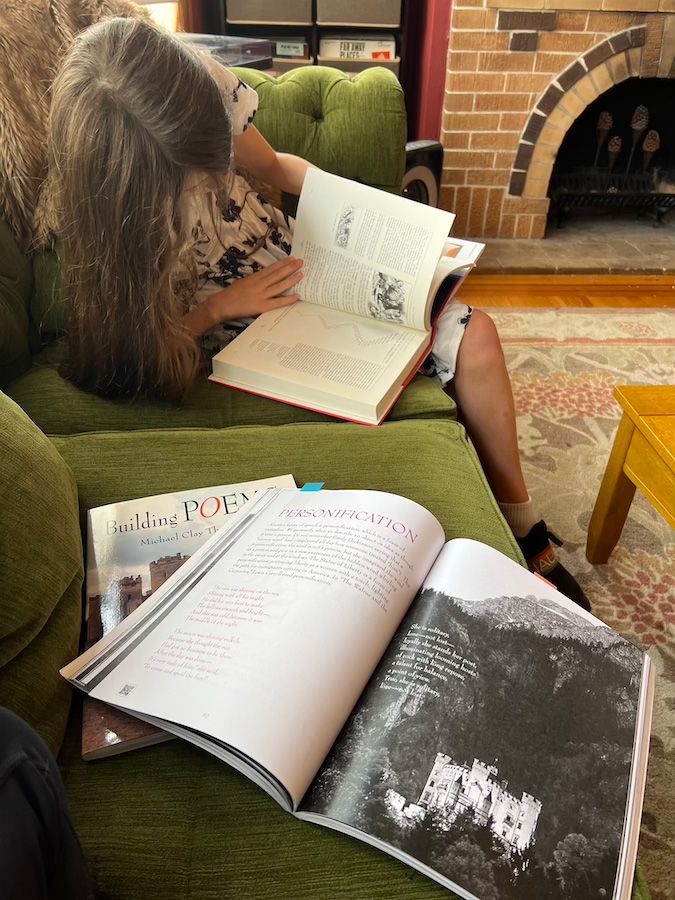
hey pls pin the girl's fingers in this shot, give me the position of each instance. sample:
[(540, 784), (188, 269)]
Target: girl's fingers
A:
[(280, 270), (278, 302), (285, 284)]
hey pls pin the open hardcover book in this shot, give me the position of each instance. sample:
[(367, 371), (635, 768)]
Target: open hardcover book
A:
[(378, 269), (132, 548), (435, 700)]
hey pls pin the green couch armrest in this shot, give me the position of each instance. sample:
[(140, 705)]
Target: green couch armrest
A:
[(42, 570)]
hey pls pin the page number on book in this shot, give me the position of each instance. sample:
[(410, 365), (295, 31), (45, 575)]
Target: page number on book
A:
[(126, 690)]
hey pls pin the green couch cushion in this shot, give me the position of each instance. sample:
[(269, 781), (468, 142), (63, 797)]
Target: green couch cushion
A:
[(16, 282), (429, 461), (172, 822), (41, 571), (354, 126), (58, 407)]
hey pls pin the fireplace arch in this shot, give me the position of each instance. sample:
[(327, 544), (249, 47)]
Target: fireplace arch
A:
[(588, 78), (517, 80)]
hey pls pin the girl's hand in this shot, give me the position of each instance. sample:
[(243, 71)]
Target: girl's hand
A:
[(260, 292), (249, 296)]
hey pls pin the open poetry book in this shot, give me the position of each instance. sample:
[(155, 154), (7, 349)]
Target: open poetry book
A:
[(435, 700), (132, 548), (377, 270)]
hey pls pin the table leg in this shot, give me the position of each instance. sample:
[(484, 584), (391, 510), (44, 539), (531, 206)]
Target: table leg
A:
[(614, 499)]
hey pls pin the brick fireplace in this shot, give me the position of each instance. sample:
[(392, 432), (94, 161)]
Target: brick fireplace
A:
[(520, 72)]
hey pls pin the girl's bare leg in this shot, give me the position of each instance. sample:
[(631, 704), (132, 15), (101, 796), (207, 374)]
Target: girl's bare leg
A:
[(482, 389)]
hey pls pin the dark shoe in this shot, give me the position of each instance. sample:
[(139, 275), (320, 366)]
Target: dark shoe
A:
[(540, 557)]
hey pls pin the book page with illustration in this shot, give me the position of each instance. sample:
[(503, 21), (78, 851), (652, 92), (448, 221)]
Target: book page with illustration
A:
[(367, 252), (271, 627), (323, 359), (373, 265), (502, 740)]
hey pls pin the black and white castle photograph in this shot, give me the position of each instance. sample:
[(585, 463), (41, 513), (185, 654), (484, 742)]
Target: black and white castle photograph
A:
[(494, 745)]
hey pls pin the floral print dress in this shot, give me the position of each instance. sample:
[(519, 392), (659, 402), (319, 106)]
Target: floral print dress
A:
[(241, 234)]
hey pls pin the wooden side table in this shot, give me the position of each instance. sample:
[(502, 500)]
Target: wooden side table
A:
[(643, 456)]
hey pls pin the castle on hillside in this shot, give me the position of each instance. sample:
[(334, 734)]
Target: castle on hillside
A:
[(452, 789)]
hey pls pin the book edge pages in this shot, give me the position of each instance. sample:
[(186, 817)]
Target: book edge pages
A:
[(380, 409), (636, 788)]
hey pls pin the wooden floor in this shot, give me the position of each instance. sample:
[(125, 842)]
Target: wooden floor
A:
[(602, 291)]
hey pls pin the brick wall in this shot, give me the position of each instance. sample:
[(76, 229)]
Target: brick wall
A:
[(519, 74)]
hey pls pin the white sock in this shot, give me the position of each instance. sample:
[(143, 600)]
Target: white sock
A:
[(520, 516)]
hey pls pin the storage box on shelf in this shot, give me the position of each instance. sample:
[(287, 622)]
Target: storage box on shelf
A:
[(290, 47), (289, 12), (381, 13), (348, 21), (352, 45)]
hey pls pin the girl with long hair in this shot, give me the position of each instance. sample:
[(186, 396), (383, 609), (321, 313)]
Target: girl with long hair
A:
[(142, 142), (167, 250)]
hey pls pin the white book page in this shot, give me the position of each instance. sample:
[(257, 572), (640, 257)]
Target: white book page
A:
[(271, 648), (366, 251), (320, 357)]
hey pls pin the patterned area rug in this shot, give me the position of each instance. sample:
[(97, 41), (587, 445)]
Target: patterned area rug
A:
[(564, 365)]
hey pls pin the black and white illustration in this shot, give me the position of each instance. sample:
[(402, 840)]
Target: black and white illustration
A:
[(390, 297), (343, 230), (494, 745)]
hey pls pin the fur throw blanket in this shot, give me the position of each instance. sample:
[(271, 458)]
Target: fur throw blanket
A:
[(34, 37)]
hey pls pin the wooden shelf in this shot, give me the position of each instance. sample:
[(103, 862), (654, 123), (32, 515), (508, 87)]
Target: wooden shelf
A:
[(255, 18)]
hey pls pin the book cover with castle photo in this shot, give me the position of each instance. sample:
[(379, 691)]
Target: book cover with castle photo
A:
[(132, 548)]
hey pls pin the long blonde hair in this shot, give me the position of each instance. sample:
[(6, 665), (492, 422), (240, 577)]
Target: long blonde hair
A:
[(134, 113)]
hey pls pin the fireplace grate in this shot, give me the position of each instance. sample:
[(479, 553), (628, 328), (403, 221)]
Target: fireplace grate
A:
[(606, 190)]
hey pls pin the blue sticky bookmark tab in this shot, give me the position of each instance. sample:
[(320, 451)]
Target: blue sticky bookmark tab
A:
[(313, 486)]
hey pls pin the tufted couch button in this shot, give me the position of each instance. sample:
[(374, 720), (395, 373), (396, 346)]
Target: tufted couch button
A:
[(318, 118)]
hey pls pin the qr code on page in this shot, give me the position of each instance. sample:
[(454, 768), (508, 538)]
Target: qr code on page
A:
[(126, 690)]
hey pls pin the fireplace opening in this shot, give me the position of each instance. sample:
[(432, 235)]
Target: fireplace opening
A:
[(618, 158)]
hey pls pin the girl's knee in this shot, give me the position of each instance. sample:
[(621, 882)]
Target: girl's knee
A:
[(481, 322), (481, 338)]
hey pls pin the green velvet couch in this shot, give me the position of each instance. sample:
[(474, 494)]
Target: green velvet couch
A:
[(170, 821)]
